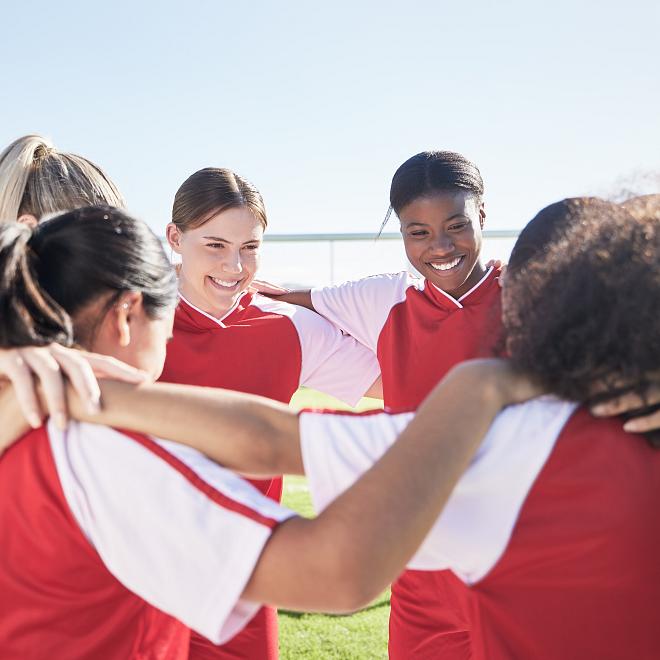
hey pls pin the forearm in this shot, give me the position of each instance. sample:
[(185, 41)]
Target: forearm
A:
[(303, 298), (243, 432), (365, 537)]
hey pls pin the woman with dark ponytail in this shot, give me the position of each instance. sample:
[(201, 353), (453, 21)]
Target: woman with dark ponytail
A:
[(420, 327), (115, 544)]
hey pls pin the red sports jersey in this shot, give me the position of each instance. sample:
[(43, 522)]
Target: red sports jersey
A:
[(115, 546), (266, 347), (552, 530), (418, 333)]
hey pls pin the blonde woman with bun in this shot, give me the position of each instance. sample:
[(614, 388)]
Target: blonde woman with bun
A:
[(37, 179)]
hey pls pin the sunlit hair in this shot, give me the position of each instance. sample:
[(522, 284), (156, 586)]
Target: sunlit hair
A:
[(37, 179), (433, 172), (213, 190), (579, 301)]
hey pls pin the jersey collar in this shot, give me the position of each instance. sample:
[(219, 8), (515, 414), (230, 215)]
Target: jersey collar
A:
[(469, 297), (206, 321)]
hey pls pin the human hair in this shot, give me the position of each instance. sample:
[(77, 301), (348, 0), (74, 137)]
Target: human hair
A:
[(578, 306), (210, 191), (433, 172), (52, 273), (37, 179)]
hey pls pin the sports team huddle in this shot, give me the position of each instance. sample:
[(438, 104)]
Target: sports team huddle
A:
[(507, 489)]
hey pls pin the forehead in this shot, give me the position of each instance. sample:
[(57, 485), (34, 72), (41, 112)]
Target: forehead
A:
[(237, 224), (439, 207)]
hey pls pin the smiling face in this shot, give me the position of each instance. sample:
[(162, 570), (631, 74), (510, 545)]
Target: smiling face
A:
[(219, 259), (442, 237)]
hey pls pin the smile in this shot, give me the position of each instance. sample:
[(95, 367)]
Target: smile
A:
[(227, 284), (448, 265)]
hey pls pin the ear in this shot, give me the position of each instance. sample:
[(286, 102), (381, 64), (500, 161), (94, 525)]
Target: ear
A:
[(126, 309), (482, 215), (28, 219), (174, 235)]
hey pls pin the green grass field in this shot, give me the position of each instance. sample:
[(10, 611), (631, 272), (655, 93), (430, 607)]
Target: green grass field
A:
[(360, 636)]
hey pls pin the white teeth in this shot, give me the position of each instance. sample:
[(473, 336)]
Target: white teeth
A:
[(229, 285), (447, 266)]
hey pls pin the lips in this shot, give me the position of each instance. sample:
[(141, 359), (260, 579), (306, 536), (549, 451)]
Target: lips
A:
[(446, 266), (224, 284)]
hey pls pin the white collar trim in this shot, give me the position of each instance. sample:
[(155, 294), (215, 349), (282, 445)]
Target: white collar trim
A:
[(467, 293), (220, 320)]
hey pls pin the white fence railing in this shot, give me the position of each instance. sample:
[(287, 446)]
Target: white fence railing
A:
[(322, 259)]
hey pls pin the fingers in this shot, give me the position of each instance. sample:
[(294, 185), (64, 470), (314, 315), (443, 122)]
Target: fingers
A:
[(259, 286), (79, 371), (14, 367), (642, 424), (627, 402), (47, 370), (104, 366), (495, 263)]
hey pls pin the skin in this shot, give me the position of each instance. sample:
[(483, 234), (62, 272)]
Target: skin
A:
[(439, 230), (321, 564), (226, 248)]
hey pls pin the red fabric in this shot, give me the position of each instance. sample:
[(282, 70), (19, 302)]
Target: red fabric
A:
[(427, 334), (580, 577), (423, 338), (57, 599), (256, 352)]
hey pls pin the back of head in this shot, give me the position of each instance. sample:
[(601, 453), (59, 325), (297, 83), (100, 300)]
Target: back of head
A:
[(210, 191), (579, 299), (38, 180), (49, 276), (434, 172)]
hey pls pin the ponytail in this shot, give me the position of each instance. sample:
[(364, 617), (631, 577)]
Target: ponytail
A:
[(29, 316), (37, 179)]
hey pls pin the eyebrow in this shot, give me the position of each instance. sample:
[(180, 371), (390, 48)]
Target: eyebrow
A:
[(426, 224), (224, 240)]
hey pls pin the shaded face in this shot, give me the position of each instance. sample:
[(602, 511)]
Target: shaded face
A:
[(130, 335), (219, 260), (442, 237)]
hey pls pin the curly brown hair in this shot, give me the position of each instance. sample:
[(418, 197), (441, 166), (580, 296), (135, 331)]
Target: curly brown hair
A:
[(581, 299)]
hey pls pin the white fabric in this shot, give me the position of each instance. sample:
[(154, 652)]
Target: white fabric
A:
[(452, 300), (160, 535), (331, 361), (360, 308), (475, 527)]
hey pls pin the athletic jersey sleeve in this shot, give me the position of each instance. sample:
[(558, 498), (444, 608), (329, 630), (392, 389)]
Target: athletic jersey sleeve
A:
[(174, 528), (330, 361), (476, 524), (361, 307)]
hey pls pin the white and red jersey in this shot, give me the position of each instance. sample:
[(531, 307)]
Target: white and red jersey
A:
[(116, 545), (266, 347), (417, 331), (552, 531)]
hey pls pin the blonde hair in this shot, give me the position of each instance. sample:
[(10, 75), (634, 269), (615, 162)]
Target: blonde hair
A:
[(37, 179)]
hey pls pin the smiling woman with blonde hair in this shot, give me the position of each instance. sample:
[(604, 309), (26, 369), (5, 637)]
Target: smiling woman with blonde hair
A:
[(36, 179)]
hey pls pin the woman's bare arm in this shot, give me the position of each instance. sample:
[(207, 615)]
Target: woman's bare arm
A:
[(345, 557), (301, 297)]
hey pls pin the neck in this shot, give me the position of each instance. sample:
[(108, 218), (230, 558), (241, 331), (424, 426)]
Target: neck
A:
[(477, 273)]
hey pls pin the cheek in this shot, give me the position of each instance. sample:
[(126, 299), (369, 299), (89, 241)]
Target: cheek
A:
[(413, 252)]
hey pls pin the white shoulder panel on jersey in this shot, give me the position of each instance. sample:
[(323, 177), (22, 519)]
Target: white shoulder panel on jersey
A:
[(179, 531), (361, 307), (331, 361), (476, 524)]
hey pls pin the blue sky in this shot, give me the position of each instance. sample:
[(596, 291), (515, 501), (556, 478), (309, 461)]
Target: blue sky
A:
[(318, 104)]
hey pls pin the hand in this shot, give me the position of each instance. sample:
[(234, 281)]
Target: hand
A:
[(47, 366), (495, 263), (267, 289), (631, 402)]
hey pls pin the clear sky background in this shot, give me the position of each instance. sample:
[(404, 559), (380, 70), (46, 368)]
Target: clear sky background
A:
[(318, 103)]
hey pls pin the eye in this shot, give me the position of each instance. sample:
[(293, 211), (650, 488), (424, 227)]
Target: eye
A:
[(458, 226), (215, 245), (252, 246), (418, 233)]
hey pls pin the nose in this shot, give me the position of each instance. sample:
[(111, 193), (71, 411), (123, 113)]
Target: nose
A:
[(231, 262), (443, 244)]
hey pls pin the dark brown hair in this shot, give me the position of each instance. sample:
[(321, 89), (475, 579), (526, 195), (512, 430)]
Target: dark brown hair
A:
[(213, 190), (66, 263)]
